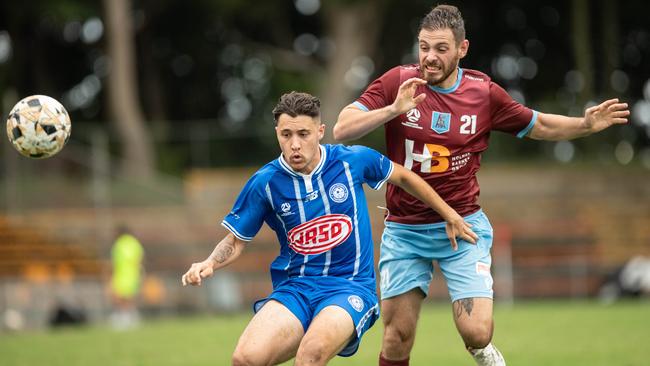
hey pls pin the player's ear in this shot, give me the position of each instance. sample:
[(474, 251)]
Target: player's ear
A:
[(321, 131), (463, 48)]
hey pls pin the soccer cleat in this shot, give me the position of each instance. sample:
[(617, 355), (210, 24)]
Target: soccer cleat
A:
[(488, 356)]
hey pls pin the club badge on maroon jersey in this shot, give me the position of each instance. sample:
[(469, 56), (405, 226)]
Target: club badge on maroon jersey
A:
[(440, 122), (320, 234)]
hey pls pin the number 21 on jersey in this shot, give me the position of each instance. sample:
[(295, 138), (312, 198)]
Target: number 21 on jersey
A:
[(468, 124)]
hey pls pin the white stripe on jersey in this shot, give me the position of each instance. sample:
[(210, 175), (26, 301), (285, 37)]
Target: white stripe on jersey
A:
[(348, 174), (326, 204), (235, 232), (301, 209), (309, 187)]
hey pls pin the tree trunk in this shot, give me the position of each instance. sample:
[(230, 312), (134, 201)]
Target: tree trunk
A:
[(353, 29), (124, 106), (582, 49), (611, 45)]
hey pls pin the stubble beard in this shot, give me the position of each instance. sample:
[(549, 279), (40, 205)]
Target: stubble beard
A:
[(446, 73)]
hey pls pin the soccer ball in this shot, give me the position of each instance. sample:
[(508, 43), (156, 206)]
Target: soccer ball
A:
[(38, 126)]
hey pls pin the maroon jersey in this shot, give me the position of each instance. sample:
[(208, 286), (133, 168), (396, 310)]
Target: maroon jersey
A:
[(443, 137)]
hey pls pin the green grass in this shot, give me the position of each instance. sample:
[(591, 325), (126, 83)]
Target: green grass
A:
[(530, 333)]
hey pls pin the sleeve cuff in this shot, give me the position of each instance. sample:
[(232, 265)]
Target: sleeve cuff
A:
[(525, 131)]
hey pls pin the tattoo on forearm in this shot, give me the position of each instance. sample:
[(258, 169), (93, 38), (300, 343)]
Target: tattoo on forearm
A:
[(223, 252), (467, 304)]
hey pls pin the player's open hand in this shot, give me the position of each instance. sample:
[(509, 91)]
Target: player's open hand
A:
[(458, 228), (197, 272), (406, 98), (607, 113)]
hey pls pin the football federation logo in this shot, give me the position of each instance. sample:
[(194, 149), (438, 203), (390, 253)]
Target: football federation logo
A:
[(413, 115), (320, 234), (338, 193), (440, 122), (285, 207), (356, 302)]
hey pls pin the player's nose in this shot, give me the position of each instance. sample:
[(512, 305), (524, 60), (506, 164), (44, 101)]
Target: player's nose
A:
[(431, 56), (295, 144)]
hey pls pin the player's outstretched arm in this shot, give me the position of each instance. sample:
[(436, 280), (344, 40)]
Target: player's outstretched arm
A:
[(418, 188), (224, 253), (597, 118), (354, 123)]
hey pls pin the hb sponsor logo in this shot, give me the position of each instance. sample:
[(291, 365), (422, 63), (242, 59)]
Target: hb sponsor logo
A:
[(320, 234)]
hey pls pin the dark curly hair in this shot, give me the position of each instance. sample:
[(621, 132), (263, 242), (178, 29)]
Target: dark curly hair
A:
[(445, 17), (297, 104)]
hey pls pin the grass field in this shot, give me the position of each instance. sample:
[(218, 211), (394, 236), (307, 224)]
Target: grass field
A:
[(530, 333)]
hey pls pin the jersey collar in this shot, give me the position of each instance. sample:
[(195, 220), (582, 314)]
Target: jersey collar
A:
[(452, 88), (317, 169)]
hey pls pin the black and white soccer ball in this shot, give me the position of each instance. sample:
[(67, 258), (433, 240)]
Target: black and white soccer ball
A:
[(38, 126)]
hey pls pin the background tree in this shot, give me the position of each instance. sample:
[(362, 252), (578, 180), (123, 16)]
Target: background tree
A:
[(123, 97)]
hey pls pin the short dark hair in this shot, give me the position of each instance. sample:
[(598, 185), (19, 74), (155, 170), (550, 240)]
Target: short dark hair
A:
[(445, 17), (297, 104)]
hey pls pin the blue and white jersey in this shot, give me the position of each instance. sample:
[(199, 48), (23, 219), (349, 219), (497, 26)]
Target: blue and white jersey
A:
[(321, 219)]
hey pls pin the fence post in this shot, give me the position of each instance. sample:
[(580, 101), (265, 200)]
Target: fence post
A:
[(101, 166), (502, 259)]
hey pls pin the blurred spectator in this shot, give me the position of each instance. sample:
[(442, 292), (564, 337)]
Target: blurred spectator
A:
[(65, 314), (126, 256), (631, 280)]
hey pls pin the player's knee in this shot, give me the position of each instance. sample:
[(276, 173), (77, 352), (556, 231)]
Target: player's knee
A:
[(243, 357), (398, 338), (477, 336), (312, 352)]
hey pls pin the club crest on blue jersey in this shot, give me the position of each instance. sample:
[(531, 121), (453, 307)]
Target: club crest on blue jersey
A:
[(356, 302), (440, 122), (338, 192)]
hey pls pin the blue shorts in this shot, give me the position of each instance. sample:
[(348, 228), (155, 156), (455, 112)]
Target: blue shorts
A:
[(407, 252), (305, 297)]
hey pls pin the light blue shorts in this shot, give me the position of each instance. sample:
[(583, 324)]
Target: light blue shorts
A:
[(407, 253), (306, 296)]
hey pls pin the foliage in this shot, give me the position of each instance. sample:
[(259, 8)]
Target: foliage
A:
[(227, 61)]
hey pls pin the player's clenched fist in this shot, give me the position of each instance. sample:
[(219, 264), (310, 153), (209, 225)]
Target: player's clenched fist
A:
[(197, 272)]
